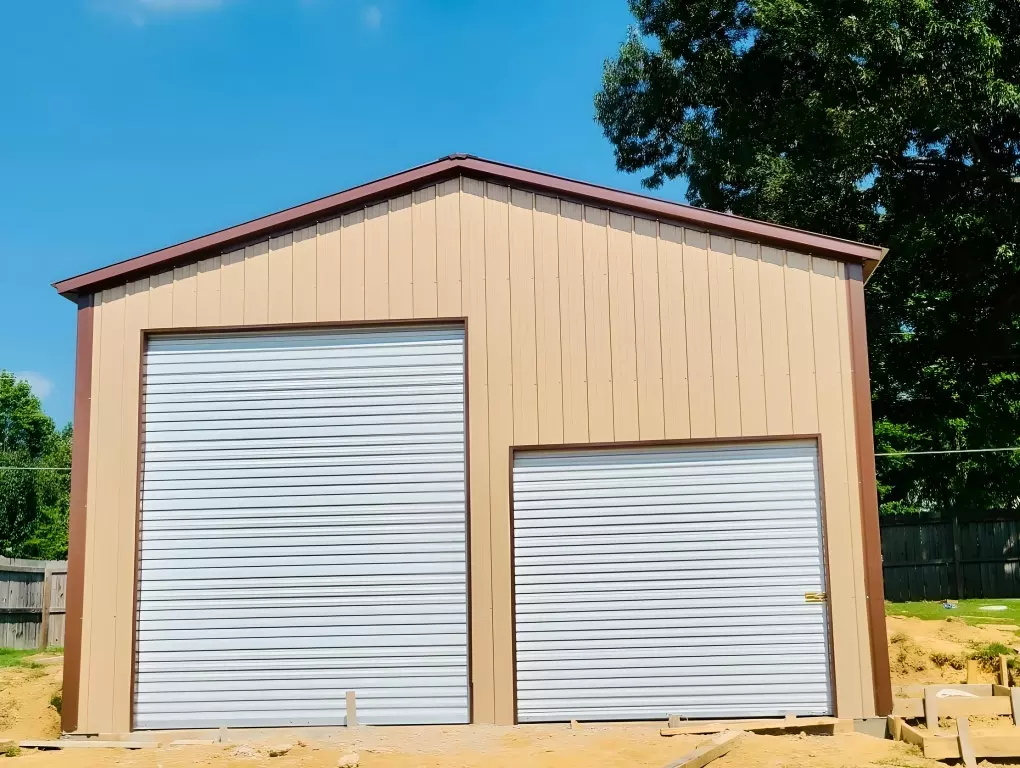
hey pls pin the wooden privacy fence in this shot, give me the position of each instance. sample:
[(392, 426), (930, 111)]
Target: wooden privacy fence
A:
[(32, 603), (935, 559)]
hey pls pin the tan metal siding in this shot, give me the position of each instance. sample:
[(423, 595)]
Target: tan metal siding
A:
[(582, 325)]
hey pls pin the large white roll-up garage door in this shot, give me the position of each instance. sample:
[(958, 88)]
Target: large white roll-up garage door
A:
[(657, 581), (303, 529)]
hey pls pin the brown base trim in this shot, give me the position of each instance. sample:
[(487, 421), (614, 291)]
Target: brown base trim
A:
[(872, 541), (77, 516)]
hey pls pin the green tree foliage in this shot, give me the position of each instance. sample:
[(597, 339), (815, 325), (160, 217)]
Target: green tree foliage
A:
[(33, 502), (890, 121)]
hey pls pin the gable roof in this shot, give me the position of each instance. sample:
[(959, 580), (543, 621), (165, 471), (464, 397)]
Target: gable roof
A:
[(475, 167)]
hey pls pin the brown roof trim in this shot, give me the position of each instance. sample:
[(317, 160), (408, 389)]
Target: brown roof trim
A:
[(467, 165)]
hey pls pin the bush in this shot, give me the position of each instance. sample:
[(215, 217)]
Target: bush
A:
[(57, 701), (987, 656)]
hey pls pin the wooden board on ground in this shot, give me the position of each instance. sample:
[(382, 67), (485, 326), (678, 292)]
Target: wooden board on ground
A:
[(917, 691), (938, 747), (709, 750), (87, 743), (964, 743), (910, 709), (826, 724)]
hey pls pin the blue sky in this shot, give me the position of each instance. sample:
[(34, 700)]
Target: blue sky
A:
[(128, 125)]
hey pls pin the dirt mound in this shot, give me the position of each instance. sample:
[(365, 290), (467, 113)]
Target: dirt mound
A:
[(25, 696), (922, 651)]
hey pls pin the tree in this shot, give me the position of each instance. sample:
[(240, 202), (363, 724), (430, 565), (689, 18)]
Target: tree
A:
[(889, 121), (33, 501)]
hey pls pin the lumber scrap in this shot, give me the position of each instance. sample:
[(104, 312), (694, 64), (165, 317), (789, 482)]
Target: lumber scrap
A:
[(931, 710), (86, 743), (972, 670), (829, 724), (708, 750), (986, 706), (965, 744), (1003, 670), (895, 725), (916, 691)]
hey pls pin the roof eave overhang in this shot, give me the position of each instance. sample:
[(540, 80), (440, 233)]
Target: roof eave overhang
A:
[(465, 165)]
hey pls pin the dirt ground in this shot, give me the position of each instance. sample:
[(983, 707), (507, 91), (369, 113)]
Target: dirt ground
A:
[(923, 651), (26, 713)]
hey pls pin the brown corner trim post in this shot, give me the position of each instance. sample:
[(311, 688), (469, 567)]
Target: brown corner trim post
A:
[(872, 538), (77, 516)]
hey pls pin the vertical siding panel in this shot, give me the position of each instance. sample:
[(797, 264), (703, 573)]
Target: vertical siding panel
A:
[(648, 341), (623, 335), (352, 266), (725, 373), (522, 318), (401, 287), (822, 287), (501, 426), (849, 436), (161, 300), (572, 325), (281, 278), (136, 318), (673, 316), (208, 290), (598, 343), (304, 295), (327, 270), (448, 248), (473, 271), (256, 284), (92, 534), (231, 288), (749, 343), (185, 296), (423, 253), (109, 455), (775, 344), (697, 309), (547, 321), (803, 391), (377, 262)]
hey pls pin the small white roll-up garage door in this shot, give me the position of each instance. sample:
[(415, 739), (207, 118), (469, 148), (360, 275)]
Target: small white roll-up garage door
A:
[(657, 581), (303, 529)]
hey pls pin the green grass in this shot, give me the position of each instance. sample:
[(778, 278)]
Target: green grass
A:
[(967, 611), (12, 658)]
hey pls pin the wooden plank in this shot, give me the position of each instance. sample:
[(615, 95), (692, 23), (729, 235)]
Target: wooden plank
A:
[(423, 253), (895, 725), (572, 324), (931, 710), (673, 335), (972, 670), (916, 691), (352, 266), (698, 313), (648, 338), (86, 744), (351, 702), (522, 318), (911, 735), (622, 327), (401, 258), (547, 320), (598, 343), (709, 750), (1014, 705), (765, 724), (953, 707), (725, 377), (966, 747), (1003, 670)]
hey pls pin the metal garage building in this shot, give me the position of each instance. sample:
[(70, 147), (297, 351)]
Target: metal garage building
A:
[(479, 444)]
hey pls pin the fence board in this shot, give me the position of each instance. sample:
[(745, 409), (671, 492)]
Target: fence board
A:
[(22, 605), (949, 558)]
